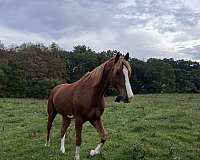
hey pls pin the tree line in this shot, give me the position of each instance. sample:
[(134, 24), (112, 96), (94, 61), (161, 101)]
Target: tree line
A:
[(32, 70)]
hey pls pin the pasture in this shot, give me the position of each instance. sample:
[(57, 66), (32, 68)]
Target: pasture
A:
[(151, 127)]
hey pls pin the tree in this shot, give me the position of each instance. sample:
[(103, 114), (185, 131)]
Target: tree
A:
[(32, 70)]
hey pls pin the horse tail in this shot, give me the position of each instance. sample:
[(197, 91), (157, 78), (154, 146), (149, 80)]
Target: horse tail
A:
[(50, 105), (51, 115)]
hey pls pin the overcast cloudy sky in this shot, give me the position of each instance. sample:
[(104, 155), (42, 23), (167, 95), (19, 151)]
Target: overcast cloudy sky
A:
[(145, 28)]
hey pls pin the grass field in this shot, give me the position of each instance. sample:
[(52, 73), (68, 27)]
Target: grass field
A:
[(152, 127)]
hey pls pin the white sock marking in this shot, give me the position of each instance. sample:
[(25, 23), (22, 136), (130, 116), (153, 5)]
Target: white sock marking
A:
[(127, 83), (47, 144), (77, 155), (62, 142), (97, 150)]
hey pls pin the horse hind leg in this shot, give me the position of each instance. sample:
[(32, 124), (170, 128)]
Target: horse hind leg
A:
[(49, 125), (65, 124)]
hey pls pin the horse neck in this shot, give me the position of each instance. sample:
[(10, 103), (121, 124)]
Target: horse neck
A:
[(105, 81)]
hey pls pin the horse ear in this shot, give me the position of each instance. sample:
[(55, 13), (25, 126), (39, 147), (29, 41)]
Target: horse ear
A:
[(126, 56), (117, 57)]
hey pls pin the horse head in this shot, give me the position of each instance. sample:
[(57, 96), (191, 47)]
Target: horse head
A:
[(120, 78)]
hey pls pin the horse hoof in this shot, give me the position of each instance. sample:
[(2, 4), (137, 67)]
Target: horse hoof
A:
[(92, 153), (62, 150), (77, 158), (47, 145)]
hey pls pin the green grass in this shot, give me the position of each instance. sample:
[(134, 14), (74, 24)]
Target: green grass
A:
[(152, 127)]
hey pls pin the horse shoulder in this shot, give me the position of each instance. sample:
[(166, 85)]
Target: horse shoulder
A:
[(62, 98)]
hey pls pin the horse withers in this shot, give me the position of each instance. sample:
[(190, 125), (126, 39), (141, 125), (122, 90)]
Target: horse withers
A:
[(83, 100)]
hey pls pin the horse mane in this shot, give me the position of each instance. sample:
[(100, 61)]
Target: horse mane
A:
[(93, 77)]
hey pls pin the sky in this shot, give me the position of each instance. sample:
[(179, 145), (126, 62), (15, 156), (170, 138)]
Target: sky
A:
[(144, 28)]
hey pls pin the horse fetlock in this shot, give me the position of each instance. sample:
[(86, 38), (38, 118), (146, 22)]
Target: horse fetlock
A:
[(62, 149), (93, 152), (104, 137), (47, 144), (97, 150)]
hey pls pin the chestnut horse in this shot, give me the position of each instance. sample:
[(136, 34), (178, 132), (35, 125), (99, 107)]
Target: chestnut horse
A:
[(83, 100)]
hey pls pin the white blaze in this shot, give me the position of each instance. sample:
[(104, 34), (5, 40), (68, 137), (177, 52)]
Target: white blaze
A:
[(62, 141), (127, 83)]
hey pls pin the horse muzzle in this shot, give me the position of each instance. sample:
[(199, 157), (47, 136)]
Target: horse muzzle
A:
[(121, 98)]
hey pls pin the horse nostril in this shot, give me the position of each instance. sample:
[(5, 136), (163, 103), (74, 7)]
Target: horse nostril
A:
[(118, 98)]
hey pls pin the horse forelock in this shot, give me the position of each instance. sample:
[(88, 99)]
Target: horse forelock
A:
[(120, 63), (126, 63)]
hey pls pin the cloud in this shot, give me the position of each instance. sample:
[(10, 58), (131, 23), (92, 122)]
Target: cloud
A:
[(8, 36), (194, 50), (145, 28)]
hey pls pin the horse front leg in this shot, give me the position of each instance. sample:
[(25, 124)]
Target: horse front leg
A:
[(103, 134), (78, 127)]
